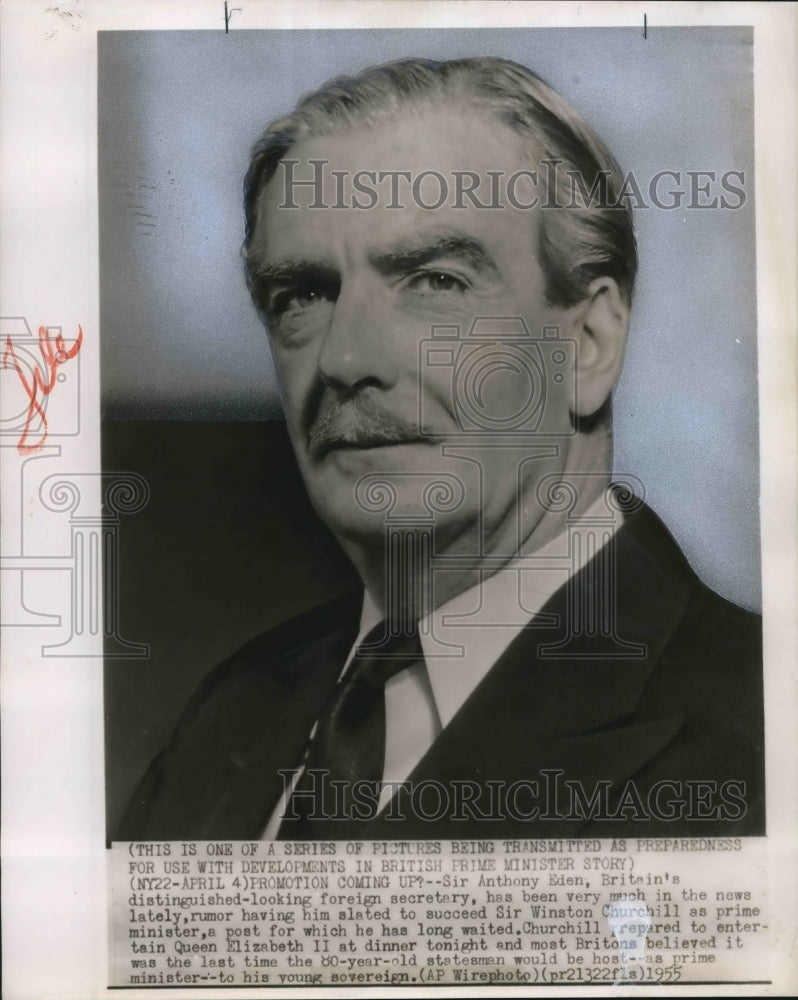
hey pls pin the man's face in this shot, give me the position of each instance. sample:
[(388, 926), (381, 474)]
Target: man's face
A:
[(352, 296)]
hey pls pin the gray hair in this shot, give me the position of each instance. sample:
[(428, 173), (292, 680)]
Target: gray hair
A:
[(578, 241)]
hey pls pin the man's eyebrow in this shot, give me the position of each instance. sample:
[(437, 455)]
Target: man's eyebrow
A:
[(288, 270), (429, 247)]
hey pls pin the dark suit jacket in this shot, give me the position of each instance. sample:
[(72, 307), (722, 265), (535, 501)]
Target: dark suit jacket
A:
[(667, 710)]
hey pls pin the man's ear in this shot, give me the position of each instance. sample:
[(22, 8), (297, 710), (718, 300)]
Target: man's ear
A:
[(598, 324)]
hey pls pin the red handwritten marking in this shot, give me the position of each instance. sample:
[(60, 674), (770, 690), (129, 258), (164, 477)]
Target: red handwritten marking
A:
[(54, 353)]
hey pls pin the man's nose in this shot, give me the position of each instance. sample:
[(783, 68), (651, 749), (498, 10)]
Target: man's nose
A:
[(357, 348)]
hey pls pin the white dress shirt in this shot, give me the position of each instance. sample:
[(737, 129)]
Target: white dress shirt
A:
[(461, 641)]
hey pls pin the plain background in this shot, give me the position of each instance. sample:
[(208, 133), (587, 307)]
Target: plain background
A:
[(188, 389)]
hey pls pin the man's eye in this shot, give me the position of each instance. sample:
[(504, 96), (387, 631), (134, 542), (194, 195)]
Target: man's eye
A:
[(436, 282), (296, 300)]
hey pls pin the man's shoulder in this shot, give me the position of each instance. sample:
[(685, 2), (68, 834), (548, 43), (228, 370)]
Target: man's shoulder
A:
[(657, 557), (715, 659), (248, 717), (721, 623), (711, 653), (281, 662), (271, 654), (710, 667)]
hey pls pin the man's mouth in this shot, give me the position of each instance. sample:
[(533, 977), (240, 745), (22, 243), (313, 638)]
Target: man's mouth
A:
[(361, 443)]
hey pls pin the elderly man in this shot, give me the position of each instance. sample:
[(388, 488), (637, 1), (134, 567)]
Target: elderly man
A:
[(444, 260)]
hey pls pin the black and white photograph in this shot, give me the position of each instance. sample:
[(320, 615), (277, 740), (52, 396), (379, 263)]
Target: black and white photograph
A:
[(443, 253)]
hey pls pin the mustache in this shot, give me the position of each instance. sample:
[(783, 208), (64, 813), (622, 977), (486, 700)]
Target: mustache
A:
[(357, 422)]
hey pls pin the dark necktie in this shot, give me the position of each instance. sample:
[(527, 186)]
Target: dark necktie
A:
[(338, 793)]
